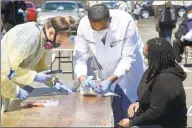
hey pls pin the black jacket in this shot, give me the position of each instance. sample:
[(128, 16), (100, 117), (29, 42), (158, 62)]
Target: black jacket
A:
[(182, 30), (10, 12), (162, 100)]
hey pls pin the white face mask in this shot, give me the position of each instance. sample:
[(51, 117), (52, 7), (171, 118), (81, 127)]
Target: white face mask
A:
[(189, 16), (100, 34)]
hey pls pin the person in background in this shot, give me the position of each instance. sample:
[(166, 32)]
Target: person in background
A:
[(161, 95), (112, 39), (164, 30), (28, 49), (122, 5), (25, 13), (183, 37), (136, 12), (12, 15)]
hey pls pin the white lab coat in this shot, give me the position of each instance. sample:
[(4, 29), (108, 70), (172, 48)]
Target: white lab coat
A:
[(124, 59)]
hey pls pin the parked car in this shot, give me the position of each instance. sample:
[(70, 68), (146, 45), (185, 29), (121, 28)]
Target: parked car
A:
[(110, 5), (31, 11), (60, 8), (147, 9), (82, 8)]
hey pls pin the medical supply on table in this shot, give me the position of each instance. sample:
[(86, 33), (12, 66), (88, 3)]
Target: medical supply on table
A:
[(40, 103), (90, 91)]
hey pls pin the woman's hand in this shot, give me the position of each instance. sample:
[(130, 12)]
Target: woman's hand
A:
[(124, 123), (133, 108)]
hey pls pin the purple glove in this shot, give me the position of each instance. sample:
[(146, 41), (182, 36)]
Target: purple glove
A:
[(104, 87), (42, 77), (22, 95), (89, 83), (62, 87)]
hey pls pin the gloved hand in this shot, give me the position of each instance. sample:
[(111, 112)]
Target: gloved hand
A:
[(104, 86), (89, 83), (42, 77), (20, 11), (11, 74), (22, 95), (62, 87)]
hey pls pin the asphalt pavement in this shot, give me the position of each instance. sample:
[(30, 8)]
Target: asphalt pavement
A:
[(146, 31)]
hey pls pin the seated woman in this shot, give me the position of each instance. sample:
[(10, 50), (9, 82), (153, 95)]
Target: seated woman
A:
[(161, 95), (183, 36)]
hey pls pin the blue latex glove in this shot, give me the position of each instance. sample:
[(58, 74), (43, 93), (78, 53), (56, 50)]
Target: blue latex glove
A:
[(104, 87), (20, 11), (11, 74), (89, 83), (22, 95), (42, 77), (62, 87)]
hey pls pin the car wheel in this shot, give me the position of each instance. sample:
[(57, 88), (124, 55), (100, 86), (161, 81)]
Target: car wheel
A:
[(145, 14), (181, 12)]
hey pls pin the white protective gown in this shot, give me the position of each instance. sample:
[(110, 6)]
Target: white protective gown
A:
[(121, 55)]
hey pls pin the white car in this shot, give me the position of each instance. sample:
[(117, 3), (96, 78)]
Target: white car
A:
[(60, 8)]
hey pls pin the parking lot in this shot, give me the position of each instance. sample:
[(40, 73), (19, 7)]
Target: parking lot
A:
[(146, 31)]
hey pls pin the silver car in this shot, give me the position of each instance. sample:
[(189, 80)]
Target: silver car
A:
[(60, 8)]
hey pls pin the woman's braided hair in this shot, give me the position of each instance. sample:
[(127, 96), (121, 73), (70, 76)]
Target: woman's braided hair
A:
[(160, 56)]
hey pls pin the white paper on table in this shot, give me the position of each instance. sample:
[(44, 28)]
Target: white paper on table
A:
[(89, 92)]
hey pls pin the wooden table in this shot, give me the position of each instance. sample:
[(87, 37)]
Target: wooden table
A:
[(74, 110)]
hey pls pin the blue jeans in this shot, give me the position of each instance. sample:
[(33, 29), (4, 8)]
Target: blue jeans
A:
[(167, 34), (120, 105)]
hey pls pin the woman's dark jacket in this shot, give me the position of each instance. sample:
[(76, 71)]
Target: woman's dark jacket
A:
[(162, 99)]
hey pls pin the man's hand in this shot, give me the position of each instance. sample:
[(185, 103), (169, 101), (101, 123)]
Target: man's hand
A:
[(133, 108), (104, 87), (124, 123), (89, 83)]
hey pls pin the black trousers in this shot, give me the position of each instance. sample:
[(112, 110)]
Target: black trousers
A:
[(178, 47)]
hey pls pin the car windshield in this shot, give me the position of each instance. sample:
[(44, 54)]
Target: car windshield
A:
[(80, 5), (59, 6), (110, 5), (29, 5)]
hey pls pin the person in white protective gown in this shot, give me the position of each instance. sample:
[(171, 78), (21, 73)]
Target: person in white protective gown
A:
[(111, 40), (24, 56)]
